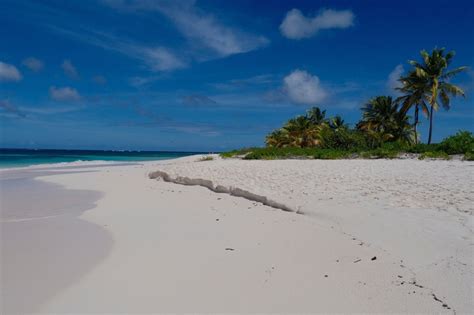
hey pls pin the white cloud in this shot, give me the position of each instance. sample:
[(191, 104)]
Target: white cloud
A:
[(297, 26), (11, 109), (156, 58), (206, 30), (64, 94), (9, 72), (69, 69), (303, 88), (33, 64), (160, 59), (198, 26), (392, 82), (198, 100)]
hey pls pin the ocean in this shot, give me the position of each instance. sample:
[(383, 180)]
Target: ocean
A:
[(26, 157)]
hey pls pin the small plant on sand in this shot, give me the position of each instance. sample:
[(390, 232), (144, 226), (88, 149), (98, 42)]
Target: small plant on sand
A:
[(469, 156), (206, 158), (434, 155)]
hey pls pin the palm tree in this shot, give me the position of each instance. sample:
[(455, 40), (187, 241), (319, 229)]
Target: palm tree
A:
[(316, 116), (413, 88), (382, 120), (278, 138), (433, 72), (301, 132), (337, 123)]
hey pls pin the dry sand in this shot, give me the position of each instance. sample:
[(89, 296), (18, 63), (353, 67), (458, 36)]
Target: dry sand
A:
[(371, 236)]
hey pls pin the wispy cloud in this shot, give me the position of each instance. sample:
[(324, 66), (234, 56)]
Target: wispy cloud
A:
[(394, 76), (198, 100), (9, 73), (50, 110), (204, 29), (303, 88), (297, 26), (166, 123), (258, 80), (9, 108), (156, 58), (69, 69), (99, 79), (201, 28), (64, 94), (34, 64), (161, 59)]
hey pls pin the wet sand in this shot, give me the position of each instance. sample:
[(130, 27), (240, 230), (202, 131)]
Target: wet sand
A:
[(45, 246)]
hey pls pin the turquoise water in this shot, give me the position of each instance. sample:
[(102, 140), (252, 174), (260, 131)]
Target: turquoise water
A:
[(24, 157)]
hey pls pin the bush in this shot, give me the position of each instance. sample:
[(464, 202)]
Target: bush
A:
[(422, 147), (234, 153), (331, 154), (469, 156), (380, 153), (279, 153), (341, 139), (462, 142), (434, 155)]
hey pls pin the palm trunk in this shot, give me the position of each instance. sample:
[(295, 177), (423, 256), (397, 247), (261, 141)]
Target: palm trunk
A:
[(416, 124), (431, 124)]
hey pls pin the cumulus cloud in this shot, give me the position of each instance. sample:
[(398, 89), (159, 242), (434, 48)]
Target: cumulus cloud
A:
[(69, 69), (64, 94), (198, 100), (297, 26), (394, 76), (9, 73), (303, 88), (9, 108), (33, 64)]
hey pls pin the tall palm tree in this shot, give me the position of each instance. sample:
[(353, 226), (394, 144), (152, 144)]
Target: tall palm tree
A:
[(413, 87), (433, 71), (382, 120), (316, 116)]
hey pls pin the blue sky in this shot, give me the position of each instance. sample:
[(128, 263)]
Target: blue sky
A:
[(210, 75)]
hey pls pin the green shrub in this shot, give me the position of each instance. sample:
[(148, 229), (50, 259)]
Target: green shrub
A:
[(331, 154), (341, 139), (234, 153), (422, 147), (295, 152), (469, 156), (380, 153), (460, 143), (434, 155)]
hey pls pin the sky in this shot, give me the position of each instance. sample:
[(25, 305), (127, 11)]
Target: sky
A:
[(211, 75)]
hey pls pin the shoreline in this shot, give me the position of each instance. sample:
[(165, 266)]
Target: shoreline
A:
[(157, 244), (93, 163)]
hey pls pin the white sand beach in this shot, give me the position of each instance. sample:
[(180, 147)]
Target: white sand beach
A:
[(379, 236)]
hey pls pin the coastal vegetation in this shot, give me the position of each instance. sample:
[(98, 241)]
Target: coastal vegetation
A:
[(205, 158), (385, 129)]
